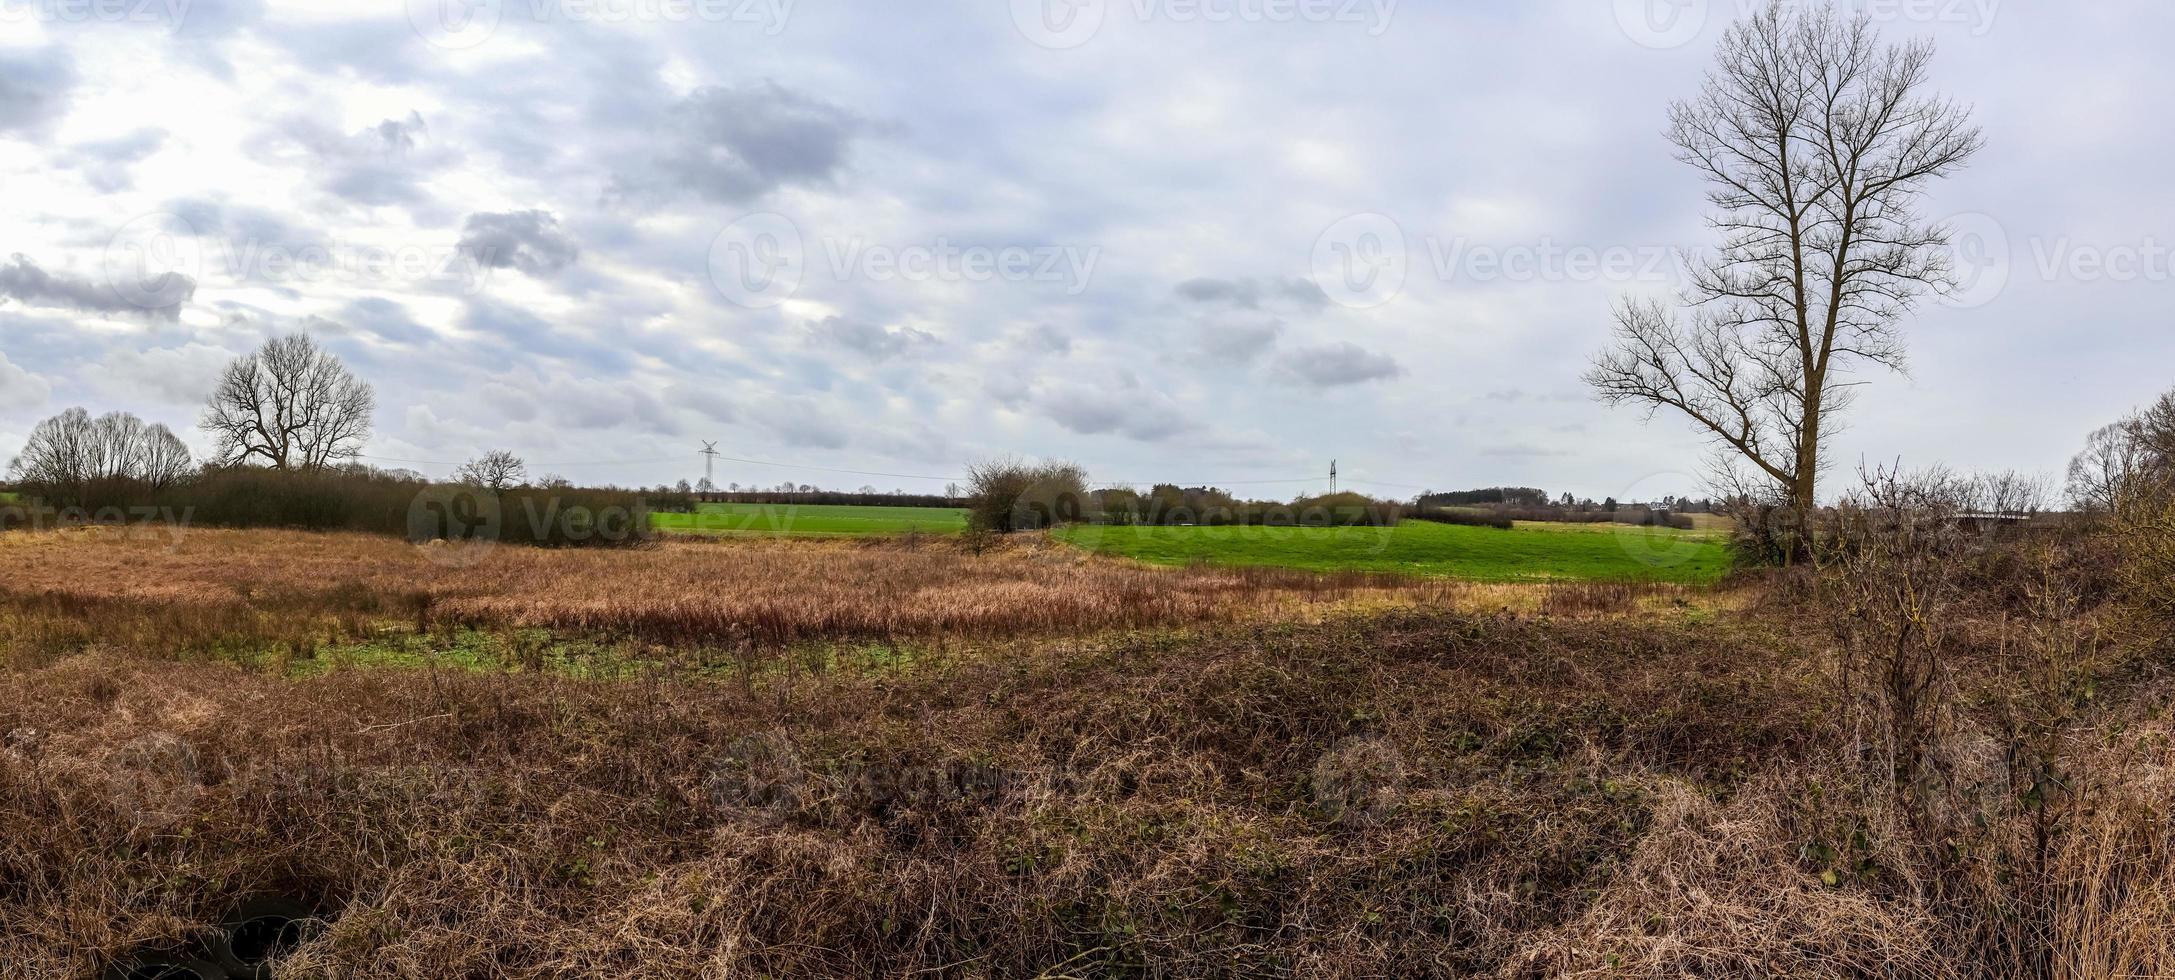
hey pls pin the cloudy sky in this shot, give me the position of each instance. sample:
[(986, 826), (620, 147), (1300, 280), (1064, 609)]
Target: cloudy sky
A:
[(898, 237)]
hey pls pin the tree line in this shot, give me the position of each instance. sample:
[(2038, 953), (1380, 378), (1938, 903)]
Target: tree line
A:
[(288, 423)]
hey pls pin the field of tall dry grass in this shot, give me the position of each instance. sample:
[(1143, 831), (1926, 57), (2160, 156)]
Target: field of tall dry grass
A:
[(212, 592), (1115, 771)]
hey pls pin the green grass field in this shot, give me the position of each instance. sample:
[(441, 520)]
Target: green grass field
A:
[(1527, 552), (796, 520)]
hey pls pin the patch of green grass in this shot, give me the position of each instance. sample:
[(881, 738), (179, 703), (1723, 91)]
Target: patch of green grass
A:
[(472, 650), (809, 520), (1528, 552)]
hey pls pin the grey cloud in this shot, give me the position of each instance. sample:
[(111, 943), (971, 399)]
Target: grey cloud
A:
[(732, 145), (179, 375), (20, 389), (1225, 343), (868, 339), (527, 332), (585, 404), (712, 405), (242, 226), (34, 89), (1249, 293), (381, 165), (1122, 410), (1332, 365), (1042, 339), (800, 423), (157, 298), (386, 320), (106, 164), (531, 241), (1522, 452)]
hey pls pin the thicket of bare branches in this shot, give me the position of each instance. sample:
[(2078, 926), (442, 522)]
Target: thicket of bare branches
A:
[(1817, 141), (495, 471), (71, 452), (2126, 476), (291, 406)]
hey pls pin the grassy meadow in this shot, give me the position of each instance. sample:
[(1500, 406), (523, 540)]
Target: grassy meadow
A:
[(1528, 552)]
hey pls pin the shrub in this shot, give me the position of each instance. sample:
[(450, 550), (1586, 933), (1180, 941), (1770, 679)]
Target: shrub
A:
[(1010, 495), (1466, 518)]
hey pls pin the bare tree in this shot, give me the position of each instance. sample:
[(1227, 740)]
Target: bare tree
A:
[(290, 406), (1817, 143), (70, 452), (495, 471)]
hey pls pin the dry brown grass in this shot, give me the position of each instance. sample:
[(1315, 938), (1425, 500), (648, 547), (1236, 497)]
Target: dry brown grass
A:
[(215, 590), (1392, 795), (1136, 771)]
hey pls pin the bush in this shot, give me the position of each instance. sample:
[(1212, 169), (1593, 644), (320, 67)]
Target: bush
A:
[(1009, 495), (1464, 518)]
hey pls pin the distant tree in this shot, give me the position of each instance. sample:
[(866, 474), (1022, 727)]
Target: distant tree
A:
[(290, 406), (1817, 143), (496, 471), (1609, 504), (553, 481), (71, 454)]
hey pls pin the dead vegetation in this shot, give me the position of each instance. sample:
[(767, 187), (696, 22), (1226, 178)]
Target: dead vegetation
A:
[(216, 592), (1942, 757)]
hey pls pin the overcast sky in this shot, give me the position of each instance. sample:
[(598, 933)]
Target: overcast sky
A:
[(1219, 240)]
